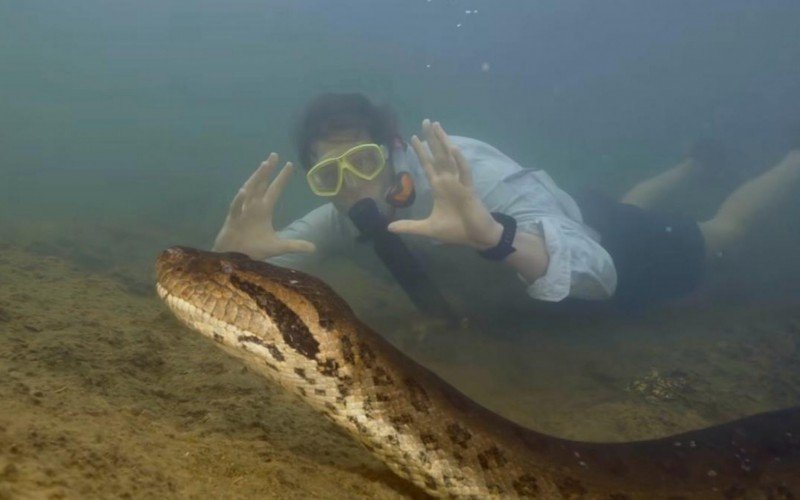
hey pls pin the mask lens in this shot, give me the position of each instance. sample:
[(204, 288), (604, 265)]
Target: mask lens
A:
[(324, 178), (367, 161)]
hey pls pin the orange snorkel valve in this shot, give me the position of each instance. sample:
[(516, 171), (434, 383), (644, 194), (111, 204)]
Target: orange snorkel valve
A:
[(402, 193)]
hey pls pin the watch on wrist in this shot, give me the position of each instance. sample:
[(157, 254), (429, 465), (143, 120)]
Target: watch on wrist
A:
[(504, 247)]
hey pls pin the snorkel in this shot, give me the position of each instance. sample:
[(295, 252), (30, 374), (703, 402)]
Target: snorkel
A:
[(401, 263), (390, 248)]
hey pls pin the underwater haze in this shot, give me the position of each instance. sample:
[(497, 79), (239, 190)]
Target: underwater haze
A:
[(155, 112), (128, 126)]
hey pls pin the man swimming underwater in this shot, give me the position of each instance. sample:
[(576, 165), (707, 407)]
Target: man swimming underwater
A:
[(463, 192)]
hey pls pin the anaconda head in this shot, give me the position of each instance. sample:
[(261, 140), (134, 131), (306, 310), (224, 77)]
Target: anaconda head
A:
[(249, 304)]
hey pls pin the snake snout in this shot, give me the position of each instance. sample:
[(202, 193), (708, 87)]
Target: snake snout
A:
[(174, 252), (170, 255), (171, 259)]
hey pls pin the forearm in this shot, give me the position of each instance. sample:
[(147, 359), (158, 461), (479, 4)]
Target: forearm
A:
[(530, 258)]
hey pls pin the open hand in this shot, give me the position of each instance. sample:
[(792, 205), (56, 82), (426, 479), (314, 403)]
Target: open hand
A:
[(458, 216), (248, 228)]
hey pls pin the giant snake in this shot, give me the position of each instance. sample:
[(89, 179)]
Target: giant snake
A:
[(294, 329)]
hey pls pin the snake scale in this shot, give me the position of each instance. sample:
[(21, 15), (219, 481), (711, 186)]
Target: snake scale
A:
[(295, 330)]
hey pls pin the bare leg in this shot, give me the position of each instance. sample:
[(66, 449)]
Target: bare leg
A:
[(648, 193), (750, 203)]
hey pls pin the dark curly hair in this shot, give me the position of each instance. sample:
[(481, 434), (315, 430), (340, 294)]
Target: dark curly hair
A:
[(329, 113)]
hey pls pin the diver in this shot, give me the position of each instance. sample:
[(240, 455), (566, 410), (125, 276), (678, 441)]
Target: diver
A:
[(459, 191)]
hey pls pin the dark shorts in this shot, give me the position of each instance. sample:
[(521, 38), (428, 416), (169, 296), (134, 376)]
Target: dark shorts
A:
[(658, 256)]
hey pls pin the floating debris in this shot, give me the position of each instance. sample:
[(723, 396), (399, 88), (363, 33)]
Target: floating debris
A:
[(658, 387)]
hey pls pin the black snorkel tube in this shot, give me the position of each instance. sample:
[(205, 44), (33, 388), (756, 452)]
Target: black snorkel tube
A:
[(402, 264)]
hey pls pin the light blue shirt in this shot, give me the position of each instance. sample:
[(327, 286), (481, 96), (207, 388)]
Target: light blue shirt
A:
[(579, 266)]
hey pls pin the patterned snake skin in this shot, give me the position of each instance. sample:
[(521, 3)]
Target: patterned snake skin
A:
[(295, 330)]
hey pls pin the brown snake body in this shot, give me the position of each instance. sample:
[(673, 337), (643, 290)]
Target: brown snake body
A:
[(296, 330)]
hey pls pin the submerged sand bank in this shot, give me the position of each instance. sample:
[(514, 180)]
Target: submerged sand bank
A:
[(104, 394)]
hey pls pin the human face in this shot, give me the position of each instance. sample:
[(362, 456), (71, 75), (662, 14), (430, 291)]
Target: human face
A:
[(353, 188)]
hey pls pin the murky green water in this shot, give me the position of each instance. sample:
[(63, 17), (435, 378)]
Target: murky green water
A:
[(127, 127)]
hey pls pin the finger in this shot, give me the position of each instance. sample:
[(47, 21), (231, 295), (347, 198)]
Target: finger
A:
[(435, 145), (443, 137), (464, 170), (448, 144), (444, 147), (258, 182), (424, 157), (430, 136), (262, 184), (235, 210), (421, 227), (276, 187), (297, 246)]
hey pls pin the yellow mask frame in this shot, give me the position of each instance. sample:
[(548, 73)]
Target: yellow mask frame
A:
[(342, 163)]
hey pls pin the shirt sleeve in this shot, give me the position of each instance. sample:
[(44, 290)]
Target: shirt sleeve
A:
[(578, 265), (323, 227)]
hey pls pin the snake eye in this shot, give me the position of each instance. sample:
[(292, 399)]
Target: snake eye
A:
[(226, 267)]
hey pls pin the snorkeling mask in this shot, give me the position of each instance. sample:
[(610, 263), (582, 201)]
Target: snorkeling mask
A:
[(365, 161)]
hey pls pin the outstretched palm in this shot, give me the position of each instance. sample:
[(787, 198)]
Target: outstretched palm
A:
[(458, 215), (248, 227)]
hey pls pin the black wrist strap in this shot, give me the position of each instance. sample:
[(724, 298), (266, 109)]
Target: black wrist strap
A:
[(504, 247)]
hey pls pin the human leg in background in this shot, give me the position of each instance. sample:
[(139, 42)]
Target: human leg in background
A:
[(751, 203), (704, 156)]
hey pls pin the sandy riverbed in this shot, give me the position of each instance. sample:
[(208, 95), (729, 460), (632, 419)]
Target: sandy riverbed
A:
[(104, 394)]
